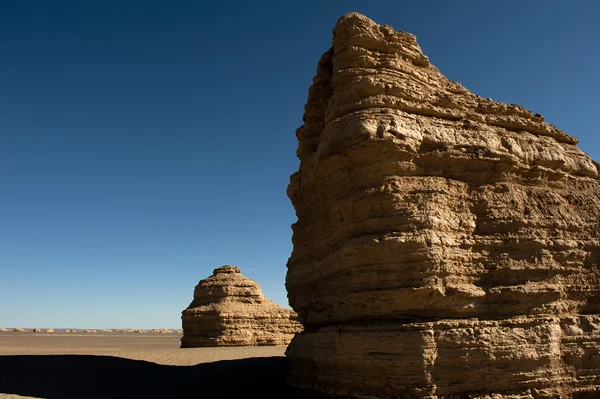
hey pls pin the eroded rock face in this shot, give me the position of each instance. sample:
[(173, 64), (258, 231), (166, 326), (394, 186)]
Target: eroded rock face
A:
[(230, 310), (446, 244)]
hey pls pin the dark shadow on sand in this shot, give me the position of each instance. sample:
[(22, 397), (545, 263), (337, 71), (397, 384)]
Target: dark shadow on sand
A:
[(84, 376)]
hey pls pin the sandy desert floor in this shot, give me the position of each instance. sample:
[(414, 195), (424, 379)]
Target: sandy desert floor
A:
[(131, 365)]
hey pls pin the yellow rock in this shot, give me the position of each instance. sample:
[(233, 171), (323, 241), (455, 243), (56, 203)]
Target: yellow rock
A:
[(446, 244)]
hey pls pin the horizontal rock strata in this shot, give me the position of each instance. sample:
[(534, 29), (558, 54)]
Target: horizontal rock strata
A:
[(230, 310), (446, 245)]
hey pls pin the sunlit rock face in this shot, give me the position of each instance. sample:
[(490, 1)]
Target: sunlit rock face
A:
[(446, 245), (230, 310)]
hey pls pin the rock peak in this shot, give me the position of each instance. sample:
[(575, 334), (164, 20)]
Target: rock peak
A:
[(354, 18), (227, 269)]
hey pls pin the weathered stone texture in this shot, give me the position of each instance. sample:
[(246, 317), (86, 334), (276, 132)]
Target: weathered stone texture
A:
[(446, 244), (230, 310)]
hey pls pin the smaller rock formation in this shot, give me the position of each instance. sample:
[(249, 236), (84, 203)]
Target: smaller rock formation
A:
[(230, 310), (19, 329), (50, 330), (36, 330), (3, 329)]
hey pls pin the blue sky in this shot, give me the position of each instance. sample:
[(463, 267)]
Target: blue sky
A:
[(145, 143)]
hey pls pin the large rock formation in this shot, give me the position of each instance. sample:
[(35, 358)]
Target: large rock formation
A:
[(446, 245), (230, 310)]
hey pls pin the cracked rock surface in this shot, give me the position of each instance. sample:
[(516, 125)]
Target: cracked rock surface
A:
[(446, 244)]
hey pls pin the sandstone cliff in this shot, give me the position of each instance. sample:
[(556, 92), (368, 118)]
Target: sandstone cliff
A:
[(230, 310), (446, 245)]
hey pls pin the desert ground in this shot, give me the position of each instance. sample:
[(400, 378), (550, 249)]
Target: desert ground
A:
[(132, 365)]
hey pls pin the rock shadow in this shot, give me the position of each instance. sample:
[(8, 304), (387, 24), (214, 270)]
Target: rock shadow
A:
[(86, 376)]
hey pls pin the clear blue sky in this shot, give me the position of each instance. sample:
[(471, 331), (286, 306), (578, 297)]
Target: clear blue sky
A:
[(144, 143)]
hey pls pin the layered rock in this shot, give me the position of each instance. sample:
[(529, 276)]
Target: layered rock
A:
[(230, 310), (446, 244)]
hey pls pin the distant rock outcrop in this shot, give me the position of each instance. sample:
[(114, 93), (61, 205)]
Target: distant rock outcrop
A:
[(161, 331), (19, 329), (3, 329), (50, 330), (447, 246), (230, 310)]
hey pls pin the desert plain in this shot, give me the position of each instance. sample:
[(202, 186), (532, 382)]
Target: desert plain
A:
[(144, 365)]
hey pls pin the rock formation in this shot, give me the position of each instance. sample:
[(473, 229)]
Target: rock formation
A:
[(446, 245), (19, 329), (230, 310), (3, 329), (50, 330)]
